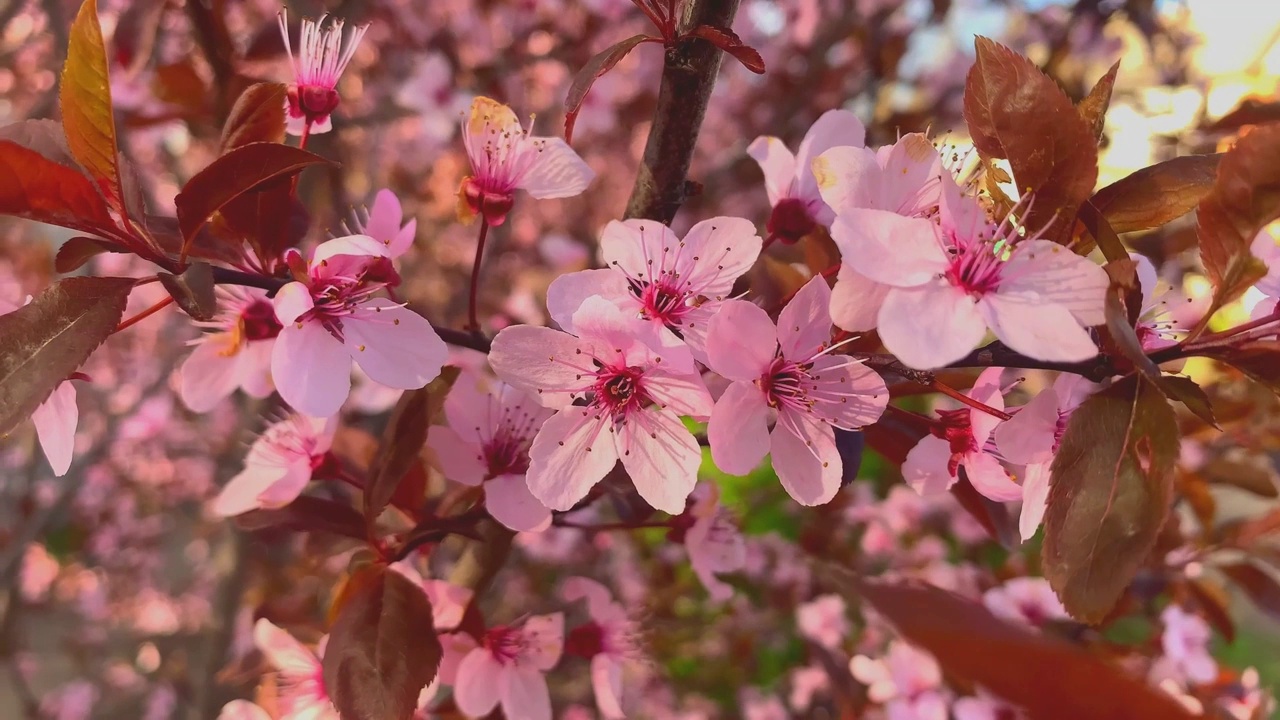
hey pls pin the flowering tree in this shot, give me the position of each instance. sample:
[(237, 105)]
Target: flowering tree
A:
[(444, 476)]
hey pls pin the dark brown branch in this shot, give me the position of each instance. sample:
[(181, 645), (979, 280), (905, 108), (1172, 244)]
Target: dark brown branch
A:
[(688, 75)]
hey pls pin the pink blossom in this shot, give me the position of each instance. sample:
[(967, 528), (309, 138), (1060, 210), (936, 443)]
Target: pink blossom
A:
[(824, 620), (759, 706), (382, 222), (487, 441), (278, 466), (806, 682), (678, 285), (508, 669), (985, 706), (506, 157), (1248, 700), (903, 178), (634, 404), (331, 318), (1185, 642), (789, 179), (907, 681), (1157, 327), (300, 683), (39, 570), (242, 710), (787, 371), (960, 439), (322, 57), (73, 701), (448, 601), (431, 92), (1265, 248), (1027, 600), (610, 641), (959, 275), (714, 543), (235, 353)]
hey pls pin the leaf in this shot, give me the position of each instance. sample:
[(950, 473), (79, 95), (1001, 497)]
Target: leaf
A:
[(1214, 604), (1191, 395), (193, 290), (1013, 662), (257, 116), (1254, 473), (1093, 108), (44, 342), (599, 64), (1259, 585), (728, 41), (1260, 360), (994, 517), (85, 97), (308, 514), (181, 84), (849, 443), (1156, 195), (77, 251), (1245, 198), (403, 440), (1251, 111), (1111, 485), (39, 188), (382, 648), (268, 217), (1016, 112), (1245, 532), (164, 230), (230, 176)]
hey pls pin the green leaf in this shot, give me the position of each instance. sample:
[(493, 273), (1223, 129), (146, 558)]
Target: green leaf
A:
[(1111, 486), (403, 440), (43, 343), (85, 96)]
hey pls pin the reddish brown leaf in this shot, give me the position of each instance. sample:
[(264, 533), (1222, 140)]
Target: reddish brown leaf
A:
[(230, 176), (1251, 111), (1259, 360), (599, 64), (1215, 605), (268, 217), (403, 440), (728, 41), (257, 116), (44, 342), (1037, 672), (181, 84), (41, 189), (1093, 108), (164, 230), (1258, 584), (135, 34), (994, 517), (1016, 112), (1110, 490), (85, 98), (1155, 195), (308, 514), (383, 647), (1246, 532), (193, 290), (79, 250)]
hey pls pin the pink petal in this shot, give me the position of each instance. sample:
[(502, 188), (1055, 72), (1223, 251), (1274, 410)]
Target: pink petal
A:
[(739, 429), (242, 493), (1035, 498), (394, 345), (986, 390), (959, 211), (629, 245), (662, 458), (571, 453), (989, 477), (1264, 248), (457, 646), (284, 652), (384, 218), (804, 325), (288, 487), (848, 178), (255, 368), (714, 253), (855, 395), (524, 694), (678, 393), (558, 172), (359, 247), (1147, 278), (1035, 327), (856, 300), (242, 710), (311, 369), (403, 240), (606, 681), (930, 326), (566, 293), (459, 458), (805, 458), (1029, 436), (293, 300), (599, 600), (545, 363), (889, 248), (543, 640), (911, 171), (741, 341), (475, 689), (925, 468), (55, 420), (469, 407), (1060, 277), (835, 128), (508, 500), (778, 164), (207, 376)]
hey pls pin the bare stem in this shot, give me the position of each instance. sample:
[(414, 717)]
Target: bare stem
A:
[(472, 315)]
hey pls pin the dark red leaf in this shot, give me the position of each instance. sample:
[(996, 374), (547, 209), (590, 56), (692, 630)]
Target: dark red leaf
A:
[(1259, 585), (193, 290), (207, 246), (382, 648), (181, 84), (1037, 672), (135, 34), (1214, 604), (230, 176), (268, 217), (43, 343), (1093, 108), (1259, 360), (728, 41), (308, 514), (85, 97), (1155, 195), (38, 188), (1251, 111), (1244, 533), (79, 250), (403, 440), (599, 64), (1110, 491), (1015, 111), (257, 116), (994, 517)]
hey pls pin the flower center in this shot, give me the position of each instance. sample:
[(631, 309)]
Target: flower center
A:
[(663, 301), (505, 643), (507, 454), (487, 199), (619, 389), (784, 384), (313, 101), (339, 296), (791, 220), (258, 321), (975, 265), (954, 427)]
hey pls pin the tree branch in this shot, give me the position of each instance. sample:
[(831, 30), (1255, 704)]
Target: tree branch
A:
[(688, 75)]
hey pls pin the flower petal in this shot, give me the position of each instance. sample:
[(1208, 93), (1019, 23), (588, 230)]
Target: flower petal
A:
[(662, 458), (284, 652), (571, 453), (741, 341), (989, 477), (243, 492), (1029, 436), (1035, 327), (475, 690), (850, 395), (55, 420), (508, 499), (311, 369), (777, 163), (804, 325), (557, 172), (1035, 498), (911, 171), (1060, 277), (856, 300), (629, 245), (678, 393), (543, 640), (715, 253), (805, 458), (291, 302), (889, 248), (546, 363), (566, 293), (606, 681), (208, 376), (384, 218), (460, 458), (394, 345), (739, 429), (524, 694), (848, 178), (242, 710), (930, 326), (835, 128), (925, 468)]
